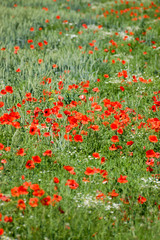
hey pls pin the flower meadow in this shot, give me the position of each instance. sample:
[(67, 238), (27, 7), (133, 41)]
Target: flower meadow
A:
[(79, 119)]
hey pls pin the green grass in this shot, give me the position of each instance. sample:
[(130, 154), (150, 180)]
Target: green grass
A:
[(74, 56)]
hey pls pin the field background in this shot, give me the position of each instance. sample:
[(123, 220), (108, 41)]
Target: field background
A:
[(79, 119)]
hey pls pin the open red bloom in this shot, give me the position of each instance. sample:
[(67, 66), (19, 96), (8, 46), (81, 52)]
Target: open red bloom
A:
[(68, 137), (21, 204), (122, 88), (8, 219), (96, 155), (36, 159), (46, 201), (113, 193), (1, 231), (101, 196), (115, 138), (38, 193), (122, 179), (33, 129), (114, 126), (56, 198), (33, 202), (47, 153), (1, 146), (150, 153), (9, 89), (78, 138), (130, 143), (90, 171), (106, 75), (141, 199), (96, 89), (21, 152), (30, 164), (72, 184), (1, 104), (23, 190), (153, 138), (69, 169), (55, 180), (113, 147), (7, 149), (15, 192), (34, 187)]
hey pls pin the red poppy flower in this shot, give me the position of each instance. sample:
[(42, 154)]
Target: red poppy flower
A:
[(122, 179), (3, 161), (31, 46), (72, 184), (1, 146), (113, 193), (141, 199), (1, 231), (113, 147), (114, 126), (38, 193), (120, 131), (96, 155), (21, 204), (68, 137), (30, 164), (94, 127), (8, 219), (100, 196), (33, 202), (106, 75), (46, 201), (40, 44), (30, 41), (150, 153), (115, 138), (34, 187), (84, 25), (96, 89), (36, 159), (3, 92), (69, 169), (9, 89), (15, 192), (56, 198), (103, 160), (1, 104), (47, 153), (90, 171), (55, 180), (33, 129), (130, 143), (47, 112), (153, 138), (78, 138), (149, 169), (46, 134), (122, 88), (23, 190), (21, 152)]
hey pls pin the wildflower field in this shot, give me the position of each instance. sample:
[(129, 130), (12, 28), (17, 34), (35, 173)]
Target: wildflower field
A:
[(79, 119)]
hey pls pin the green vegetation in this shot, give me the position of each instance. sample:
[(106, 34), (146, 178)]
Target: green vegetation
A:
[(79, 120)]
